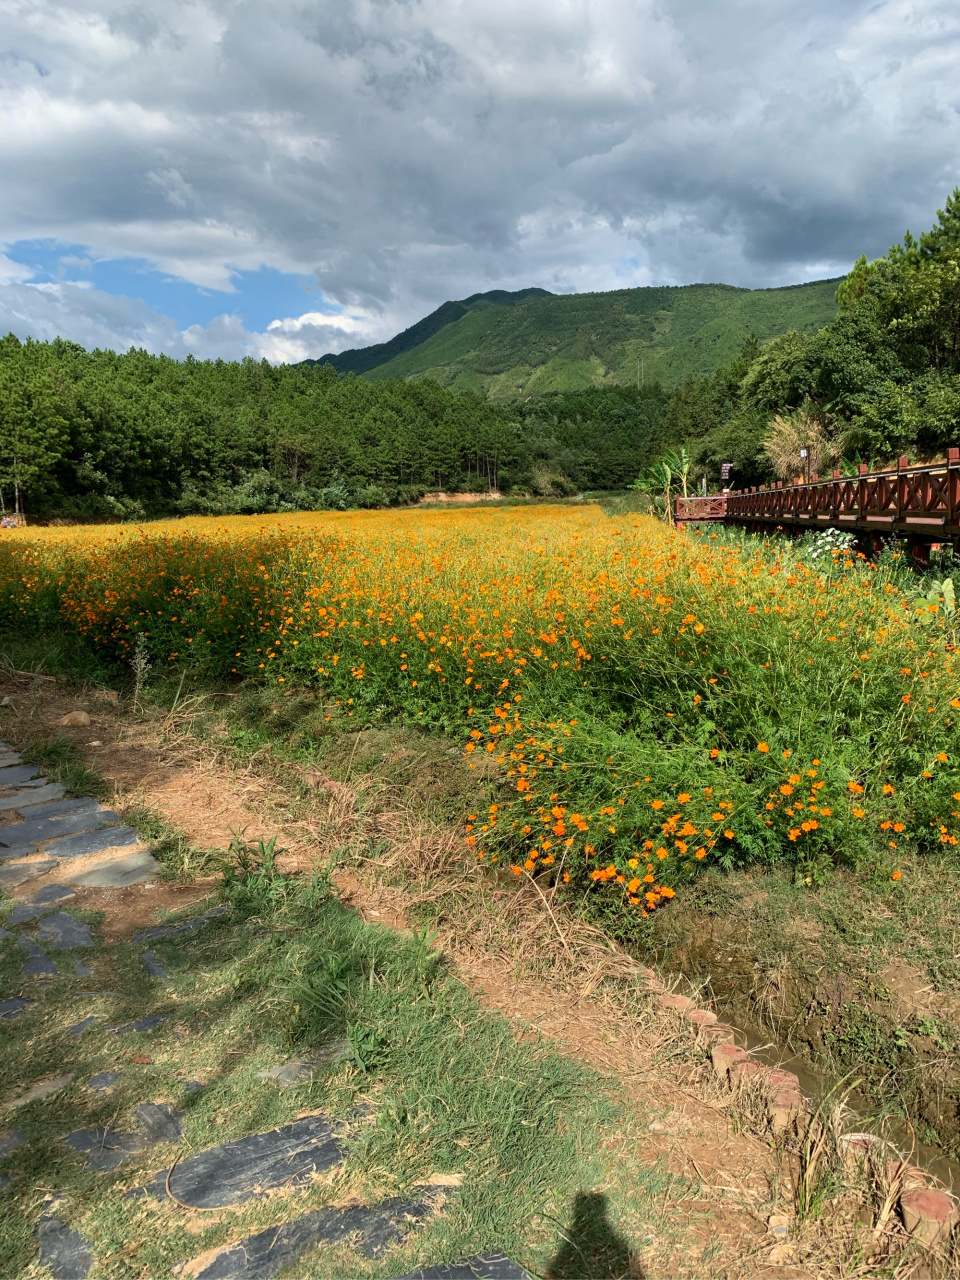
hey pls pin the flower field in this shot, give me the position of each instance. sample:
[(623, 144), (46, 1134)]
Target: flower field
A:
[(644, 702)]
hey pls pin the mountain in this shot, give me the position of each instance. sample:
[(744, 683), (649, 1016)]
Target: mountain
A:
[(364, 359), (520, 344)]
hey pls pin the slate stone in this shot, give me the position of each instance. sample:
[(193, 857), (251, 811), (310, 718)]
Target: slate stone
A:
[(103, 1081), (38, 963), (17, 873), (42, 1089), (80, 1027), (179, 930), (191, 1086), (482, 1266), (59, 813), (81, 970), (51, 894), (160, 1122), (61, 808), (25, 911), (262, 1255), (17, 775), (13, 1006), (23, 837), (27, 799), (291, 1073), (64, 1252), (61, 932), (106, 1148), (5, 933), (153, 966), (149, 1023), (117, 873), (237, 1171), (78, 846), (8, 758), (10, 1139)]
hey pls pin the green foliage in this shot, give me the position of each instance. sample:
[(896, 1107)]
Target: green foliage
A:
[(571, 342), (33, 428), (95, 435)]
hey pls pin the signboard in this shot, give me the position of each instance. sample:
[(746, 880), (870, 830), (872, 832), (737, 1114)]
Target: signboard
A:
[(725, 469)]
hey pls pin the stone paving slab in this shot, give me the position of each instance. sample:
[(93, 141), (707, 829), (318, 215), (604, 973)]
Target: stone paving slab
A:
[(24, 912), (17, 775), (8, 758), (149, 1023), (86, 842), (81, 970), (63, 1251), (116, 873), (160, 1122), (10, 1139), (259, 1256), (42, 1089), (17, 873), (61, 932), (13, 1006), (20, 839), (106, 1148), (153, 966), (52, 791), (38, 964), (482, 1266), (51, 893), (4, 934), (103, 1081), (79, 1028), (237, 1171), (179, 930), (291, 1073)]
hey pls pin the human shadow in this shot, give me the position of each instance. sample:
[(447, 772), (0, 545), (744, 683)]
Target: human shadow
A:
[(590, 1248)]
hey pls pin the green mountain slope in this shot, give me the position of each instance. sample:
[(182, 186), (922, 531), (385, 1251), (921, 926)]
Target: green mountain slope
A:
[(549, 342), (363, 359)]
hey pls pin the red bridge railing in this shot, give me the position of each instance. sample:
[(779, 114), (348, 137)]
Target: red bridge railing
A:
[(921, 503)]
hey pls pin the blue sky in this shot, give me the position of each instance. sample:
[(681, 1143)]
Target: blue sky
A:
[(230, 178), (257, 296)]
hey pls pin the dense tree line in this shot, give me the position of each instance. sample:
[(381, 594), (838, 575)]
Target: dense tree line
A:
[(96, 435), (90, 435)]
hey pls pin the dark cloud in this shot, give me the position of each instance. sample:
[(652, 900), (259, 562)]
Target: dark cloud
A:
[(408, 152)]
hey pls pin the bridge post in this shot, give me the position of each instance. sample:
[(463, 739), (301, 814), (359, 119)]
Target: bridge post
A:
[(920, 551)]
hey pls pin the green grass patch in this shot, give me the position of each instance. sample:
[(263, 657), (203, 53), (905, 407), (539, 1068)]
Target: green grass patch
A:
[(429, 1083)]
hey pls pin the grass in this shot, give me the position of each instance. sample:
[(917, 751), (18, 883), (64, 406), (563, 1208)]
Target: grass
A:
[(856, 977), (62, 761), (431, 1084), (572, 341)]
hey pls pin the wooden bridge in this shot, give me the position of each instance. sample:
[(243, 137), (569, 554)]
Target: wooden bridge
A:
[(920, 504)]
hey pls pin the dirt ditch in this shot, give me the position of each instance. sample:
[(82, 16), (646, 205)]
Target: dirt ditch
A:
[(884, 1030)]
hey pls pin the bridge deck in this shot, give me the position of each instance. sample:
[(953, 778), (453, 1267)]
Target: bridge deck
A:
[(921, 503)]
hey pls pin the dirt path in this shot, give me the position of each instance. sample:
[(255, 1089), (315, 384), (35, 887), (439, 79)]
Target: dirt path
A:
[(150, 766)]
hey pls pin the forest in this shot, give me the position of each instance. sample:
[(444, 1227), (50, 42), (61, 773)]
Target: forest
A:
[(97, 435)]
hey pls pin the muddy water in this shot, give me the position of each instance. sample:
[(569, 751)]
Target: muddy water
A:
[(816, 1085), (811, 1020)]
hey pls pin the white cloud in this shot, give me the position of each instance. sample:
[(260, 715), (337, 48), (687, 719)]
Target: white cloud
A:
[(410, 152), (94, 318)]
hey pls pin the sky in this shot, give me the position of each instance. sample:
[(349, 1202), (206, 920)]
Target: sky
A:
[(285, 178)]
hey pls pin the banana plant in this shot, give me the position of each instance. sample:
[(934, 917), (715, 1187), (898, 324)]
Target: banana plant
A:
[(680, 462)]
